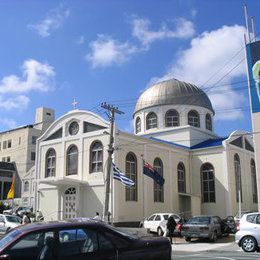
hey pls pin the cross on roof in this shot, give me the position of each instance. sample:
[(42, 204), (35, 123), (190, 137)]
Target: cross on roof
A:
[(74, 103)]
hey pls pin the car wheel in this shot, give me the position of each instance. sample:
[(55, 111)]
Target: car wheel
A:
[(249, 244), (187, 239), (214, 236), (159, 231)]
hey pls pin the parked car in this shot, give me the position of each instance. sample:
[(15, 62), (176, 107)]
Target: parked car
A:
[(157, 222), (231, 223), (202, 227), (8, 222), (248, 235), (237, 218), (87, 240), (18, 210)]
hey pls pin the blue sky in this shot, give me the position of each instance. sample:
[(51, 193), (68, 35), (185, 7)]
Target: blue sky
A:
[(96, 51)]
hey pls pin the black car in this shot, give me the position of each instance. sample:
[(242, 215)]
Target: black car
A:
[(84, 240)]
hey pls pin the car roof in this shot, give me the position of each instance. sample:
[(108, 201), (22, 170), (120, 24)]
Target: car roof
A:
[(165, 213), (38, 226)]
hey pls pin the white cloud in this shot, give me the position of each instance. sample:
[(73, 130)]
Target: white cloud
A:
[(53, 20), (141, 30), (106, 51), (207, 58), (36, 76), (9, 123), (19, 102)]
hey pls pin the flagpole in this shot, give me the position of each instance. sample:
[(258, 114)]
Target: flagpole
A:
[(142, 156)]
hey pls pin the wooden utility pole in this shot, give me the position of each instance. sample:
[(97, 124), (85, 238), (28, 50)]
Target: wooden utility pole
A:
[(111, 110)]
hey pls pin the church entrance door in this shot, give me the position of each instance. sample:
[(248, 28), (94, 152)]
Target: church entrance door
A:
[(69, 206)]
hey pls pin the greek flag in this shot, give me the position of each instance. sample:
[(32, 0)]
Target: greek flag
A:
[(118, 175)]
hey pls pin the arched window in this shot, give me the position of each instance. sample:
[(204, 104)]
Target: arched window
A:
[(253, 177), (131, 173), (194, 118), (151, 121), (207, 183), (238, 177), (26, 186), (172, 118), (181, 178), (72, 160), (158, 189), (96, 157), (138, 125), (50, 166), (208, 122)]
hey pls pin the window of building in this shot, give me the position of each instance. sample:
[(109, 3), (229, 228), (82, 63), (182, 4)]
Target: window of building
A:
[(151, 121), (172, 118), (96, 157), (9, 143), (19, 140), (72, 160), (34, 138), (131, 173), (253, 178), (50, 168), (158, 189), (181, 178), (207, 183), (26, 186), (138, 125), (4, 145), (32, 156), (8, 159), (238, 177), (194, 118), (3, 159), (208, 122)]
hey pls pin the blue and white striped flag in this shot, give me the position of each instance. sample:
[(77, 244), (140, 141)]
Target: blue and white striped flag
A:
[(118, 175)]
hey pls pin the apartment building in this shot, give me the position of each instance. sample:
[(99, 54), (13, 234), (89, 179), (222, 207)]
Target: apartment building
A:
[(19, 147)]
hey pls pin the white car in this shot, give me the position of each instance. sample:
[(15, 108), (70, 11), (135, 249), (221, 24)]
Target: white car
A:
[(8, 222), (157, 222), (248, 235)]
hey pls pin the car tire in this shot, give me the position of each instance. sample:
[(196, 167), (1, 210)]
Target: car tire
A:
[(160, 231), (249, 244), (214, 237), (187, 239)]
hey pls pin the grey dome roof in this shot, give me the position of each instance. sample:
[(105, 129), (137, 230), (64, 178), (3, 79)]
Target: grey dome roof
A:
[(173, 92)]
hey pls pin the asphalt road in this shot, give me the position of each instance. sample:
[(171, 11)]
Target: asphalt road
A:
[(224, 249)]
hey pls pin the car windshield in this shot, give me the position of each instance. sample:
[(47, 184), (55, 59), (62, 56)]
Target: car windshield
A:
[(9, 237), (199, 220), (12, 219)]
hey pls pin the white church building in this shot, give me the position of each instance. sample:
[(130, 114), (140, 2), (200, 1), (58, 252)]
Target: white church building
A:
[(174, 132)]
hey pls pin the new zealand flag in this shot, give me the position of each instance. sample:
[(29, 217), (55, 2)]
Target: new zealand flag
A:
[(152, 173)]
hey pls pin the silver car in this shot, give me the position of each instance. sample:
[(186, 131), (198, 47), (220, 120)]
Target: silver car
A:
[(8, 222), (248, 234), (202, 227)]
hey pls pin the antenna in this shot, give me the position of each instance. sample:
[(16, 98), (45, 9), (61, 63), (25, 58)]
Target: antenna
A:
[(253, 28), (247, 28)]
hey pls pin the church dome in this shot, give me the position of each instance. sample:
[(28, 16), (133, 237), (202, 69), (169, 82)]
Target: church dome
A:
[(173, 92)]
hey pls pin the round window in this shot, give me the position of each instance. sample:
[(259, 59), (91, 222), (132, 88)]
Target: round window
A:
[(73, 128)]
